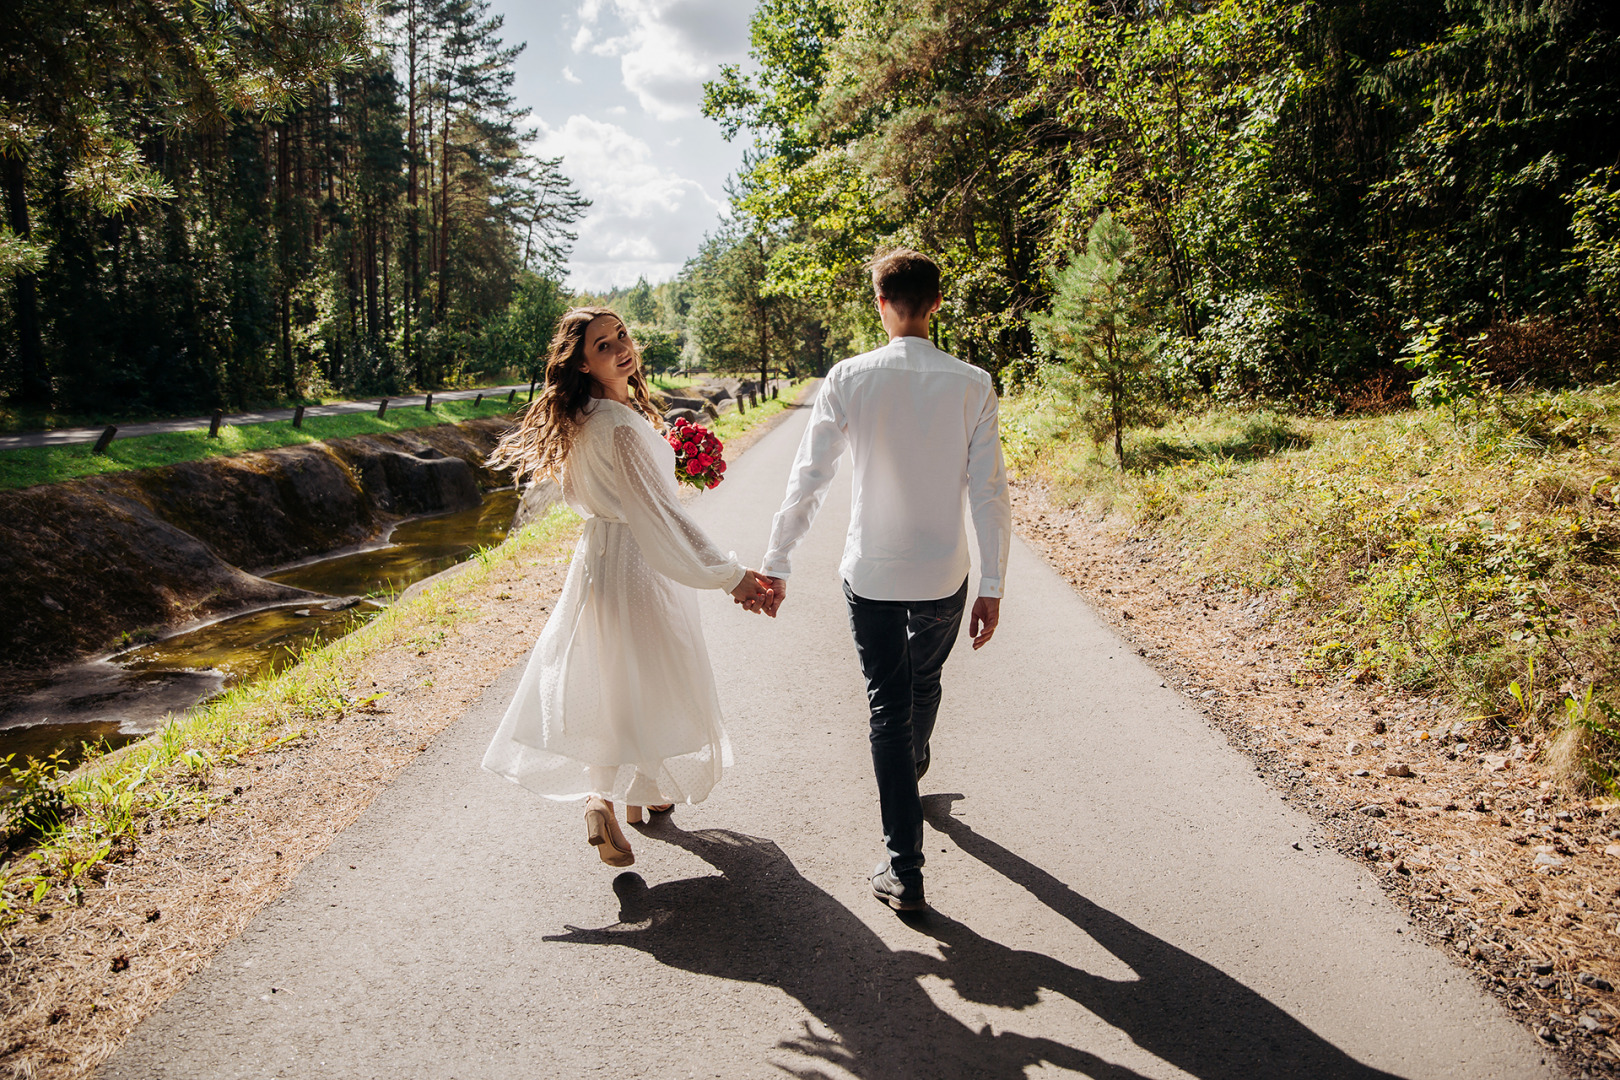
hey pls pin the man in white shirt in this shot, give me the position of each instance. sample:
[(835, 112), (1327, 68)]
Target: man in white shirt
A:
[(921, 427)]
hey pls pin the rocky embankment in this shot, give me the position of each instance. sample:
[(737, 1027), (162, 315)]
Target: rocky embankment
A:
[(88, 562)]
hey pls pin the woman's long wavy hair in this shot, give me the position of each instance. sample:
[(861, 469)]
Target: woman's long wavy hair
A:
[(539, 445)]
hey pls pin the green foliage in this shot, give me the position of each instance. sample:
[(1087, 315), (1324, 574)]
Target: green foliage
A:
[(49, 464), (640, 306), (1596, 226), (660, 349), (1449, 371), (225, 207), (1477, 560), (31, 799), (520, 337), (1096, 326), (1305, 179), (1588, 749), (736, 321)]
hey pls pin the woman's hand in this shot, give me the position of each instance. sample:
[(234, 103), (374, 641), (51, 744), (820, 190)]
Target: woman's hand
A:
[(752, 592)]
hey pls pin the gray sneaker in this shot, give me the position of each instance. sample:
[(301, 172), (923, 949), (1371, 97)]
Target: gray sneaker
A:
[(898, 894)]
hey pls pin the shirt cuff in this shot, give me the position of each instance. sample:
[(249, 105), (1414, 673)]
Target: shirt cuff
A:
[(990, 588), (776, 568)]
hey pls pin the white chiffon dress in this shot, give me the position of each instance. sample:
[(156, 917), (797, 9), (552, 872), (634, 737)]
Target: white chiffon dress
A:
[(618, 697)]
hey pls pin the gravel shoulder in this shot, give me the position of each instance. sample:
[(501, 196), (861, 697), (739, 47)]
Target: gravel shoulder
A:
[(1517, 883)]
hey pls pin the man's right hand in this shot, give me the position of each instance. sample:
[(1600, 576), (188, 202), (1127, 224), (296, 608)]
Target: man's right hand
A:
[(778, 594), (983, 619)]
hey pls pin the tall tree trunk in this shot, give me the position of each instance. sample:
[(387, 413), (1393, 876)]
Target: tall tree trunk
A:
[(410, 298), (289, 374), (764, 347), (444, 214), (1119, 428), (387, 297), (373, 315), (34, 381)]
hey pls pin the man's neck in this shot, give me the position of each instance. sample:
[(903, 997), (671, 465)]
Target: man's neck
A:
[(916, 330)]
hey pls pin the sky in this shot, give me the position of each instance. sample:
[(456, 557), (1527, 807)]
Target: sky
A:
[(615, 88)]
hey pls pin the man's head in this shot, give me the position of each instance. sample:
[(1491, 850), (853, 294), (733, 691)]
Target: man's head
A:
[(907, 281)]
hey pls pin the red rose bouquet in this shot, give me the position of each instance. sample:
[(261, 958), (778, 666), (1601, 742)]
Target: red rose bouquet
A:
[(697, 455)]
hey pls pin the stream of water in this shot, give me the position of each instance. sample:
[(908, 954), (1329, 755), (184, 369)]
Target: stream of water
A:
[(127, 695)]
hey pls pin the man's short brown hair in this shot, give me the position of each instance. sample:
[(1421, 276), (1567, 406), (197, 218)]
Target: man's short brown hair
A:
[(907, 279)]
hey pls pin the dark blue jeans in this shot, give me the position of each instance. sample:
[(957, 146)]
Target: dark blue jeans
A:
[(902, 646)]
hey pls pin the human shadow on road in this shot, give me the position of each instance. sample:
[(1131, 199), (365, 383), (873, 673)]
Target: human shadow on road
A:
[(761, 921), (1178, 1007)]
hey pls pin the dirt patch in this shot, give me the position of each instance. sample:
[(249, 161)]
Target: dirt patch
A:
[(75, 982), (1459, 824)]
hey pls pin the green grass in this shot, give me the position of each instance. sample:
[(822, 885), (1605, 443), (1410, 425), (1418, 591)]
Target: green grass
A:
[(1474, 557), (669, 384), (14, 419), (733, 423), (46, 465)]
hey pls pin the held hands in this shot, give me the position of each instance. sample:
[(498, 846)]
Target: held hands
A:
[(778, 594), (754, 593), (983, 619)]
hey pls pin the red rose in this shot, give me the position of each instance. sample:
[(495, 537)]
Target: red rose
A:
[(689, 449), (719, 466)]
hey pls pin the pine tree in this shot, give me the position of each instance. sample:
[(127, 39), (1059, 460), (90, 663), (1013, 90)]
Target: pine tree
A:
[(1098, 326)]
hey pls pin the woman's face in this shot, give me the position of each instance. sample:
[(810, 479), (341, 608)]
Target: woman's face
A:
[(610, 358)]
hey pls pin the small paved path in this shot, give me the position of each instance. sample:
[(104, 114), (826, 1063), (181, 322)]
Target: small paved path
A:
[(1115, 894), (69, 436)]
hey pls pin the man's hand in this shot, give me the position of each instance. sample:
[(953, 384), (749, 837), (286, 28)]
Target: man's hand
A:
[(982, 622), (753, 592), (778, 588)]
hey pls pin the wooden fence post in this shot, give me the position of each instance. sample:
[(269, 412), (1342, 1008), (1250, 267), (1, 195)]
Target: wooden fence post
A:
[(298, 417), (510, 397), (429, 404), (105, 440), (531, 391), (213, 425), (477, 401), (382, 408), (742, 407)]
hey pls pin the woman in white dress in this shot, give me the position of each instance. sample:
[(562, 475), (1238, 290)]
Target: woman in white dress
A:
[(618, 701)]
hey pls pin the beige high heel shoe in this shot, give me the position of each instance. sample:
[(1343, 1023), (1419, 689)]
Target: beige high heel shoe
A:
[(632, 814), (603, 833)]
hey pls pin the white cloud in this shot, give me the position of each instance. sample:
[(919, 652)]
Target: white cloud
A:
[(667, 48), (569, 76), (645, 219)]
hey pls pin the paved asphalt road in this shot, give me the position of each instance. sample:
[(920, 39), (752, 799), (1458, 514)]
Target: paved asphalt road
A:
[(1115, 894), (69, 436)]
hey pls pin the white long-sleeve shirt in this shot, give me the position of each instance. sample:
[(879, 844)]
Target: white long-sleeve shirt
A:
[(921, 427)]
